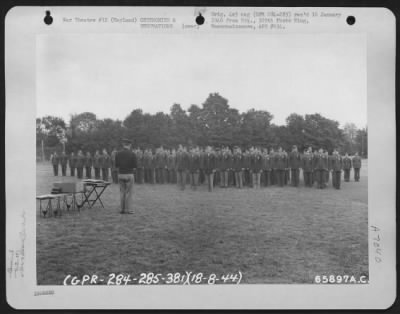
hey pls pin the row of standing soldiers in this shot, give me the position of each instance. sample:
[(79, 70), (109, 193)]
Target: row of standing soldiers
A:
[(254, 167)]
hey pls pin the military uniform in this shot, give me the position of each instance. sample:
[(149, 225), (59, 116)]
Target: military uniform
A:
[(140, 166), (225, 166), (356, 165), (105, 162), (281, 166), (194, 168), (159, 166), (246, 168), (295, 165), (171, 167), (210, 161), (55, 161), (64, 162), (72, 162), (320, 166), (336, 168), (266, 169), (307, 165), (125, 162), (182, 166), (256, 163), (346, 168), (114, 169), (80, 161), (238, 169), (148, 176), (287, 169), (326, 172), (88, 165), (97, 165)]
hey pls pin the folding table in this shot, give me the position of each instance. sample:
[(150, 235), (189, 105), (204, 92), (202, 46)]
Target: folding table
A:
[(95, 188)]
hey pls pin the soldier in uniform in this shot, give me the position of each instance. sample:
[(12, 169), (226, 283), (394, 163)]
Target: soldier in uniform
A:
[(336, 168), (225, 166), (125, 162), (320, 166), (356, 161), (256, 167), (295, 164), (326, 172), (64, 162), (266, 168), (272, 162), (287, 169), (182, 165), (97, 164), (55, 161), (307, 165), (72, 162), (159, 164), (194, 167), (80, 161), (202, 176), (313, 172), (209, 166), (88, 165), (346, 167), (114, 170), (140, 166), (105, 165), (246, 168), (153, 167), (171, 166), (281, 165), (238, 167)]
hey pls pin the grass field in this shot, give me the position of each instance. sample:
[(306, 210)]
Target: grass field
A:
[(271, 235)]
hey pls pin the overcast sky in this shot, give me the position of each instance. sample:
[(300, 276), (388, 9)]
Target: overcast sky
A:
[(110, 75)]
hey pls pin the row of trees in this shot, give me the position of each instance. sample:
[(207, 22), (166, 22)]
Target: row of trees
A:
[(214, 123)]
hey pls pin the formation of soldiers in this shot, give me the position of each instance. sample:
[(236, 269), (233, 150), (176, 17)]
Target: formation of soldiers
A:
[(254, 167)]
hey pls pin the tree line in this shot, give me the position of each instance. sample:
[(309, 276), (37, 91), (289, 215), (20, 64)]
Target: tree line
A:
[(213, 123)]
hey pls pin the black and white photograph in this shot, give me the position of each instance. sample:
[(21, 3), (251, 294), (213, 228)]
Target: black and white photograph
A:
[(202, 158)]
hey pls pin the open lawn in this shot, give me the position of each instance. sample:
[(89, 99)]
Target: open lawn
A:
[(271, 235)]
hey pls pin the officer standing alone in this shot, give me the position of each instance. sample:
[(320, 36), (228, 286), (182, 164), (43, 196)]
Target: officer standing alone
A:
[(125, 162)]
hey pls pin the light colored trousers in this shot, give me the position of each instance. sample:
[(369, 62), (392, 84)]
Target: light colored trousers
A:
[(126, 182)]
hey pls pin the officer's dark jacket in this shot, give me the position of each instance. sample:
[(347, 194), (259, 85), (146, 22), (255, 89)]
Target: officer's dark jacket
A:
[(194, 162), (182, 160), (55, 160), (307, 162), (320, 162), (294, 160), (346, 163), (96, 161), (72, 161), (64, 159), (125, 161), (147, 160), (281, 161), (246, 160), (335, 163), (171, 162), (210, 162), (80, 161), (266, 162), (256, 162), (356, 162), (88, 161), (237, 162), (225, 161)]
